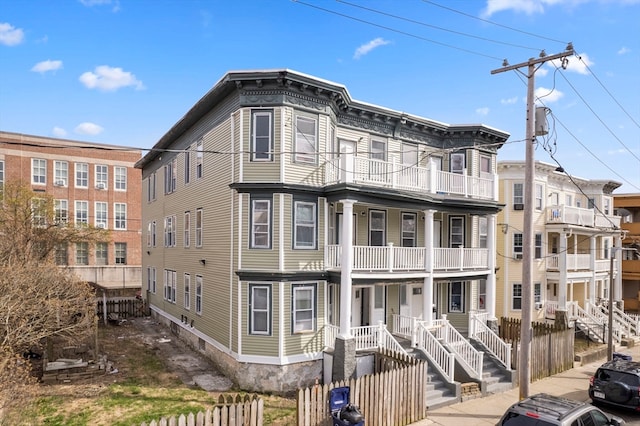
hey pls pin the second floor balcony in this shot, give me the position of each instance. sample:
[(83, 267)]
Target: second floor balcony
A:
[(582, 217), (578, 262), (390, 174), (406, 259)]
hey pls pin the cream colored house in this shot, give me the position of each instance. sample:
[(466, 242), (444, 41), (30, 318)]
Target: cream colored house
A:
[(283, 218), (575, 233)]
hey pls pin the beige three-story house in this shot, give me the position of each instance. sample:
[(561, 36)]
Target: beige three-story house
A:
[(280, 213)]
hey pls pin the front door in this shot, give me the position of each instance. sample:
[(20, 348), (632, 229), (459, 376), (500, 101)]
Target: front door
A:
[(379, 304)]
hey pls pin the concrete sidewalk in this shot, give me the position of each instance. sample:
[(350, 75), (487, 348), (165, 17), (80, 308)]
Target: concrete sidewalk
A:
[(487, 410)]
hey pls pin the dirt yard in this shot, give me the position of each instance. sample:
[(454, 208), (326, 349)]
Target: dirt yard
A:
[(151, 375)]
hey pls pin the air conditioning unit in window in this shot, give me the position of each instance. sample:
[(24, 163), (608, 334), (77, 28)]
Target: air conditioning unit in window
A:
[(517, 256), (518, 206), (537, 306), (100, 186), (59, 183), (101, 226)]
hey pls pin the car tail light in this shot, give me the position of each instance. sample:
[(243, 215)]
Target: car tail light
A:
[(532, 414), (593, 378)]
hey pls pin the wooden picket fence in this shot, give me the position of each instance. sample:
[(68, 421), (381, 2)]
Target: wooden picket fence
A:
[(231, 410), (552, 348), (393, 396)]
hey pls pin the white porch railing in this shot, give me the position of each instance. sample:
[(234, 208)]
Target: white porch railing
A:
[(366, 337), (443, 360), (577, 262), (593, 324), (404, 326), (391, 174), (579, 216), (602, 314), (465, 353), (479, 330), (390, 258)]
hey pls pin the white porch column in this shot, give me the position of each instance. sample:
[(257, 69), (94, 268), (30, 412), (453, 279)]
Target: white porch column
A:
[(490, 302), (346, 266), (592, 265), (617, 295), (562, 266), (427, 287)]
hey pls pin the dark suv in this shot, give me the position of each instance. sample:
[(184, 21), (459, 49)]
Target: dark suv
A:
[(617, 383), (547, 410)]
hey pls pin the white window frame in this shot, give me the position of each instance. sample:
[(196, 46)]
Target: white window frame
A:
[(378, 150), (81, 175), (375, 230), (170, 278), (456, 231), (120, 252), (300, 223), (170, 178), (120, 216), (258, 153), (154, 229), (451, 295), (516, 294), (483, 231), (263, 311), (409, 236), (482, 294), (199, 159), (186, 228), (170, 231), (199, 227), (120, 178), (154, 280), (537, 292), (101, 172), (82, 249), (199, 285), (187, 291), (457, 162), (410, 155), (518, 194), (305, 325), (538, 196), (81, 213), (61, 173), (101, 214), (306, 144), (260, 223), (38, 171), (518, 243), (102, 253), (187, 166), (61, 211)]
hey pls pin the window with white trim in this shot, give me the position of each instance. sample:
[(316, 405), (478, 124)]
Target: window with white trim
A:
[(457, 160), (170, 285), (305, 140), (187, 229), (517, 244), (537, 292), (120, 216), (378, 150), (187, 166), (261, 135), (199, 226), (170, 231), (409, 155), (82, 253), (516, 297), (409, 229), (260, 309), (120, 178), (456, 296), (38, 171), (121, 253), (82, 213), (153, 233), (62, 254), (260, 224), (482, 294), (199, 294), (199, 159), (148, 234), (102, 250), (538, 199), (485, 166), (187, 291), (102, 176), (101, 214), (518, 196), (153, 279), (303, 313), (305, 223), (39, 212), (456, 231), (61, 211), (60, 173), (82, 175), (170, 177), (149, 277), (538, 246), (482, 231), (151, 187)]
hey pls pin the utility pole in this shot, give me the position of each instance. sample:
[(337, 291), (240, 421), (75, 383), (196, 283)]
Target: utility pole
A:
[(526, 331)]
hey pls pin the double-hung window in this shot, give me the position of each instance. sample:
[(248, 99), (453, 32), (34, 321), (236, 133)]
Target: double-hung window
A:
[(82, 253), (482, 231), (199, 226), (120, 177), (259, 309), (517, 245), (538, 246), (377, 228), (538, 201), (198, 294), (38, 171), (121, 253), (261, 136), (102, 176), (305, 225), (120, 216), (305, 140), (101, 214), (537, 292), (378, 150), (102, 253), (409, 155), (518, 196), (62, 254), (187, 291), (82, 175), (199, 159), (170, 177), (61, 212), (303, 308), (409, 228), (170, 285), (516, 297), (261, 223), (60, 173), (82, 213), (187, 229), (153, 233), (170, 231), (187, 166), (151, 187), (457, 163), (456, 296)]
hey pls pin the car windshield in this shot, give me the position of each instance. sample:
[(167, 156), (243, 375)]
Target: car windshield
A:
[(516, 419)]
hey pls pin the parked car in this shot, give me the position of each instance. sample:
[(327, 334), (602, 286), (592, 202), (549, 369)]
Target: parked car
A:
[(546, 410), (617, 383)]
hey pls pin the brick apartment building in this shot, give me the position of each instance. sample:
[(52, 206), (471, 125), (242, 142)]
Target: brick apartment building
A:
[(91, 183)]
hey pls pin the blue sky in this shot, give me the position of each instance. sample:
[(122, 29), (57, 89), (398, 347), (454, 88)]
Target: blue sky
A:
[(124, 71)]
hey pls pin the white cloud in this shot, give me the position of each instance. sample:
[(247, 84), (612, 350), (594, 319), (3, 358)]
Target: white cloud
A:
[(108, 78), (509, 101), (59, 132), (578, 63), (9, 35), (542, 72), (527, 6), (547, 95), (88, 129), (482, 111), (47, 65), (368, 47), (624, 50), (91, 3)]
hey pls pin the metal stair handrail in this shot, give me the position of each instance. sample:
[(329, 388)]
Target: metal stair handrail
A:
[(497, 347), (443, 360), (464, 352)]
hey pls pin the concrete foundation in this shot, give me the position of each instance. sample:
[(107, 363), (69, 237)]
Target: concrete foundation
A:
[(344, 359)]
